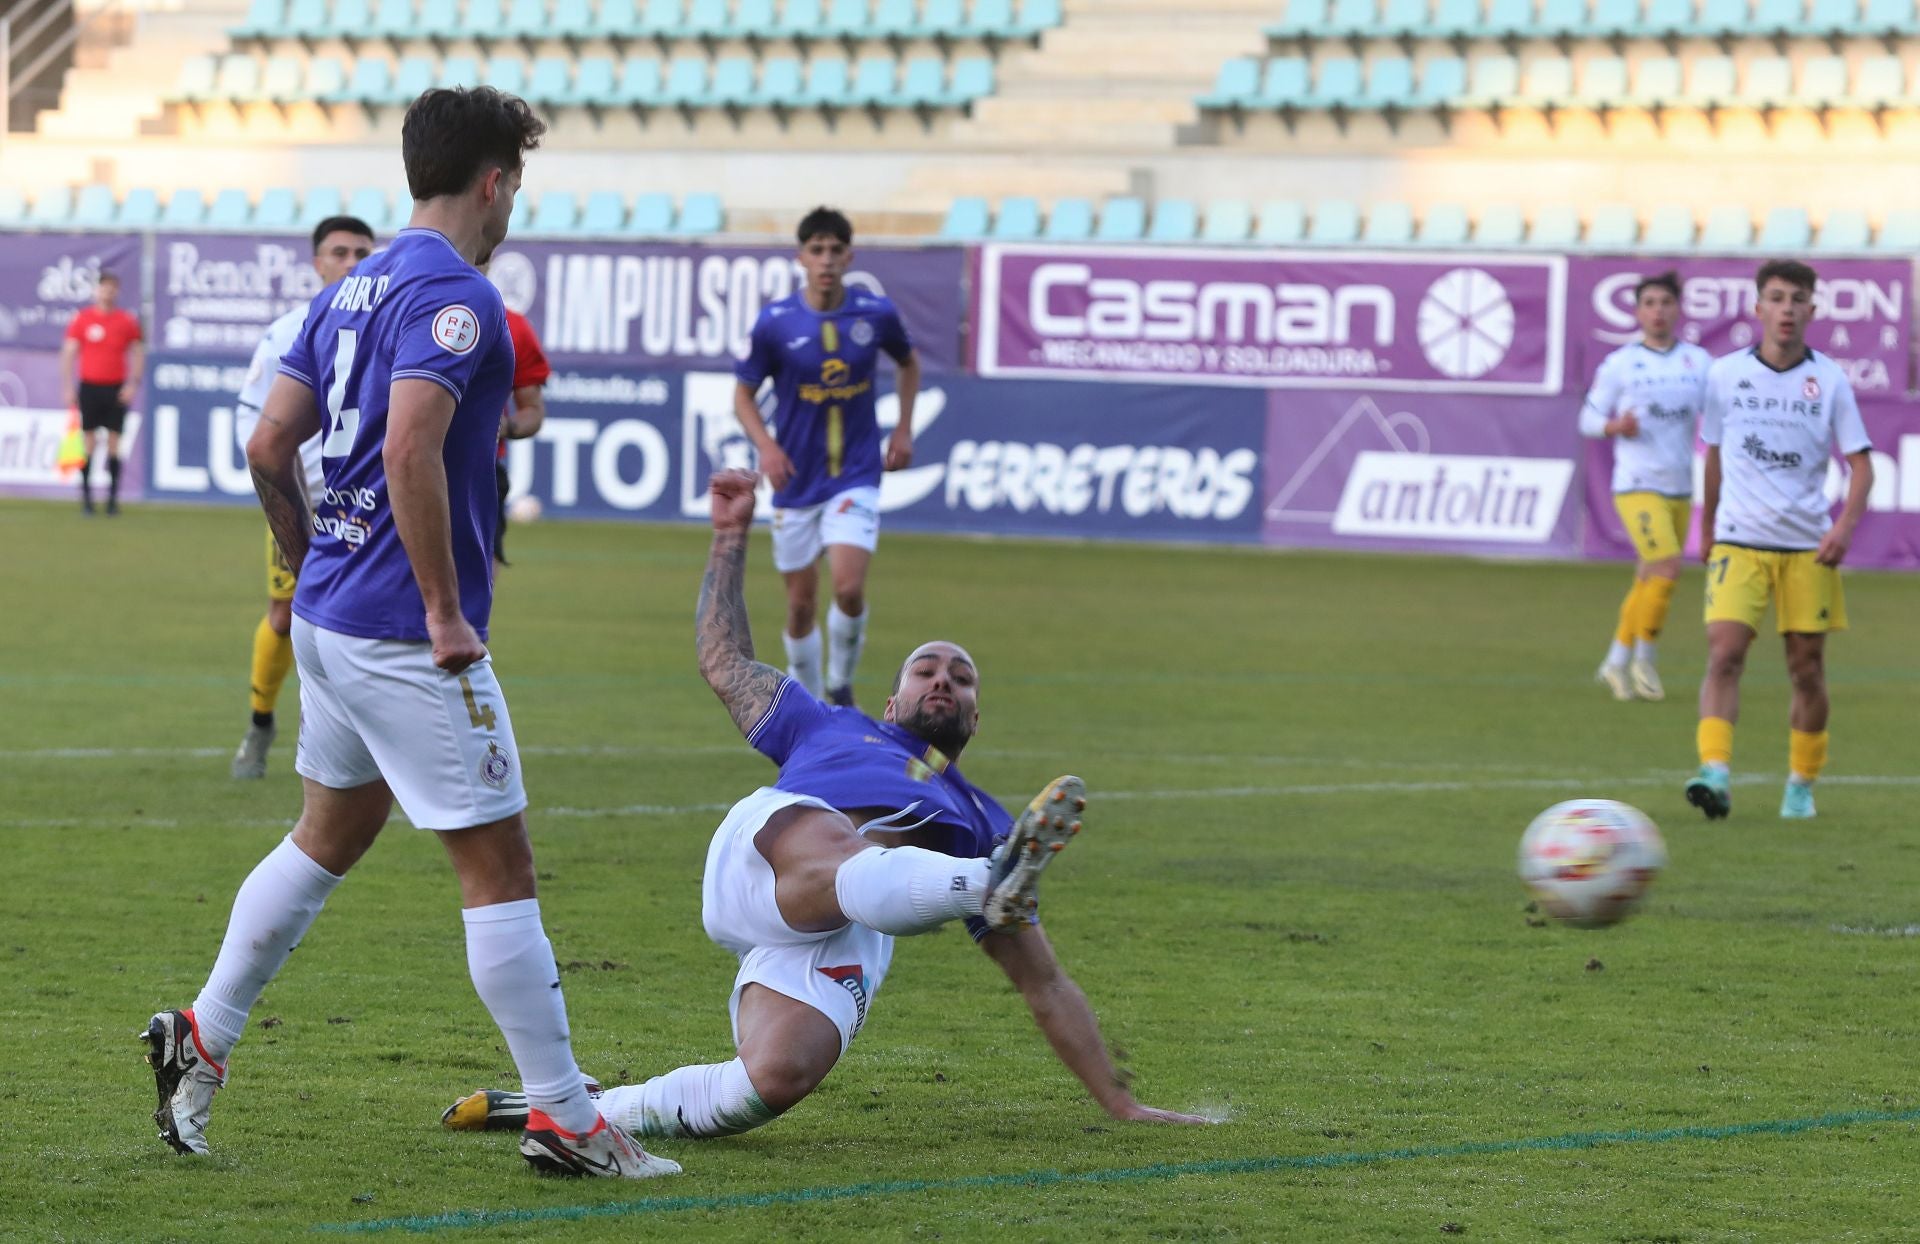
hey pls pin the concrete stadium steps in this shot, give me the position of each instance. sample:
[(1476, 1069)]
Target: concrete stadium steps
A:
[(122, 97)]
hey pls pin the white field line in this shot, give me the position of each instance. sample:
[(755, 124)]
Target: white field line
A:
[(1204, 792)]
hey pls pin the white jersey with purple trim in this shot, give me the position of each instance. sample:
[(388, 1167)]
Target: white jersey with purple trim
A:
[(1665, 390), (1776, 431), (253, 394)]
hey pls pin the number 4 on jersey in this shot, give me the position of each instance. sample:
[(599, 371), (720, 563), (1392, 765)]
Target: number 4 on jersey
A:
[(342, 424)]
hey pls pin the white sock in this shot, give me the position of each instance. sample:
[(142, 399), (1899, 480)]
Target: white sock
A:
[(803, 660), (512, 966), (1646, 650), (846, 636), (1717, 766), (716, 1099), (1617, 653), (272, 911), (908, 890), (1798, 780)]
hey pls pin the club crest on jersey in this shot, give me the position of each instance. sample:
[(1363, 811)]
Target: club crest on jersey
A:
[(861, 332), (1811, 389), (852, 979), (456, 329), (496, 767)]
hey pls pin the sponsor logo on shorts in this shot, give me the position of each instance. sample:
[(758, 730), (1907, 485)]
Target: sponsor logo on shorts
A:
[(496, 767), (456, 329), (854, 980)]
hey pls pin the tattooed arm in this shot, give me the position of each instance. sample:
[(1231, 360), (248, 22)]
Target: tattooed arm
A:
[(288, 420), (721, 630)]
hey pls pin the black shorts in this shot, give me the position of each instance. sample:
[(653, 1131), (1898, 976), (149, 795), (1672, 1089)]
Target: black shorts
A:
[(101, 407)]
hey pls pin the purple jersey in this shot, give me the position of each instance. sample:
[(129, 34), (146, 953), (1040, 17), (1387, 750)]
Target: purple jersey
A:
[(415, 310), (822, 365)]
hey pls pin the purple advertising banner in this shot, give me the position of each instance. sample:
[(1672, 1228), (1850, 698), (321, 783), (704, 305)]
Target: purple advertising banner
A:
[(1430, 473), (1862, 312), (1889, 534), (33, 419), (651, 304), (1431, 323), (46, 277), (216, 293)]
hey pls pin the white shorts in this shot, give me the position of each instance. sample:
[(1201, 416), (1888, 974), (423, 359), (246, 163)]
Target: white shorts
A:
[(837, 973), (851, 517), (380, 708)]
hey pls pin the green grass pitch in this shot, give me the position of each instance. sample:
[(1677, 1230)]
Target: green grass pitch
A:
[(1295, 906)]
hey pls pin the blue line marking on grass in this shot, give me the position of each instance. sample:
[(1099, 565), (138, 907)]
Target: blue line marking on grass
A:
[(1131, 1174)]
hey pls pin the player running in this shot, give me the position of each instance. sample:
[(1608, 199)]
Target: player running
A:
[(404, 368), (811, 904), (1646, 397), (824, 458), (339, 242), (1774, 416)]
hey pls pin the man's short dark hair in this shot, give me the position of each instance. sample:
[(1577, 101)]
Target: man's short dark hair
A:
[(1792, 271), (828, 222), (1669, 281), (340, 224), (107, 277), (452, 135)]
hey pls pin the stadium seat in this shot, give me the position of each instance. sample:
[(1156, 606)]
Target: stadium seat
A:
[(1228, 220), (705, 19), (1235, 84), (1389, 224), (1777, 18), (551, 81), (1668, 19), (1830, 19), (139, 209), (371, 206), (966, 219), (1495, 82), (265, 19), (733, 85), (989, 20), (186, 209), (1669, 228), (1174, 220), (1336, 222), (1823, 81), (1303, 19), (556, 213), (894, 19), (438, 19), (1768, 83), (801, 20), (1657, 83), (13, 207), (847, 19), (1712, 82), (413, 78), (639, 82), (652, 216), (231, 209), (1285, 82), (320, 203), (239, 80), (1603, 83), (1844, 231), (752, 19), (1442, 83), (283, 81), (306, 20), (1890, 19), (1555, 227), (874, 82), (521, 217), (1728, 228), (1350, 19), (699, 214), (595, 83), (482, 19), (1786, 229), (1718, 18), (686, 82), (1037, 16), (605, 213), (923, 82), (1547, 83), (1404, 19), (505, 73), (526, 19), (1337, 85), (1561, 17), (1444, 224), (1501, 225), (371, 83), (1615, 19), (1018, 219), (827, 84), (52, 206), (394, 20), (1389, 84), (1456, 19), (326, 80), (94, 208), (1878, 81), (1613, 227), (1509, 19), (459, 71), (1071, 220), (1899, 231), (572, 20), (196, 80), (277, 209), (1282, 223), (972, 79), (1121, 220), (782, 82)]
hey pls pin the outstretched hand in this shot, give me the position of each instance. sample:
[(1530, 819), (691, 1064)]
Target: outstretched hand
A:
[(733, 498)]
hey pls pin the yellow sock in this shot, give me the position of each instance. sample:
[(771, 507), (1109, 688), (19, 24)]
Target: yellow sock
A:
[(1806, 753), (1656, 595), (1716, 741), (1629, 615), (272, 658)]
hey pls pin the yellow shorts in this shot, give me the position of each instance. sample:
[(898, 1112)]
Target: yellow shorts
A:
[(1807, 596), (1657, 525), (280, 576)]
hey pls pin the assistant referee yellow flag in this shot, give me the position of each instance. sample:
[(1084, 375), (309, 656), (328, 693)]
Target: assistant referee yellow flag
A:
[(73, 446)]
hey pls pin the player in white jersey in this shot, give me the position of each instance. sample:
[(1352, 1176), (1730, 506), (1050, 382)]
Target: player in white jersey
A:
[(1775, 415), (1646, 398), (339, 242)]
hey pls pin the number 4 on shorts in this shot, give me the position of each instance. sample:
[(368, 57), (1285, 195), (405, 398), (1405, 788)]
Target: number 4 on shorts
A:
[(479, 715)]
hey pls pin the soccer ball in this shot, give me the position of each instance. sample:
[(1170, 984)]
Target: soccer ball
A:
[(523, 509), (1588, 861)]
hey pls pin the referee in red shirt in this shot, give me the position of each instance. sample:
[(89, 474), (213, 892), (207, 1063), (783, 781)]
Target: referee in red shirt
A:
[(106, 344), (524, 417)]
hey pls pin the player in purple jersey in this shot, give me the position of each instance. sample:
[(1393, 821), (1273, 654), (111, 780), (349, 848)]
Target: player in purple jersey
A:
[(820, 349), (403, 368), (811, 903)]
